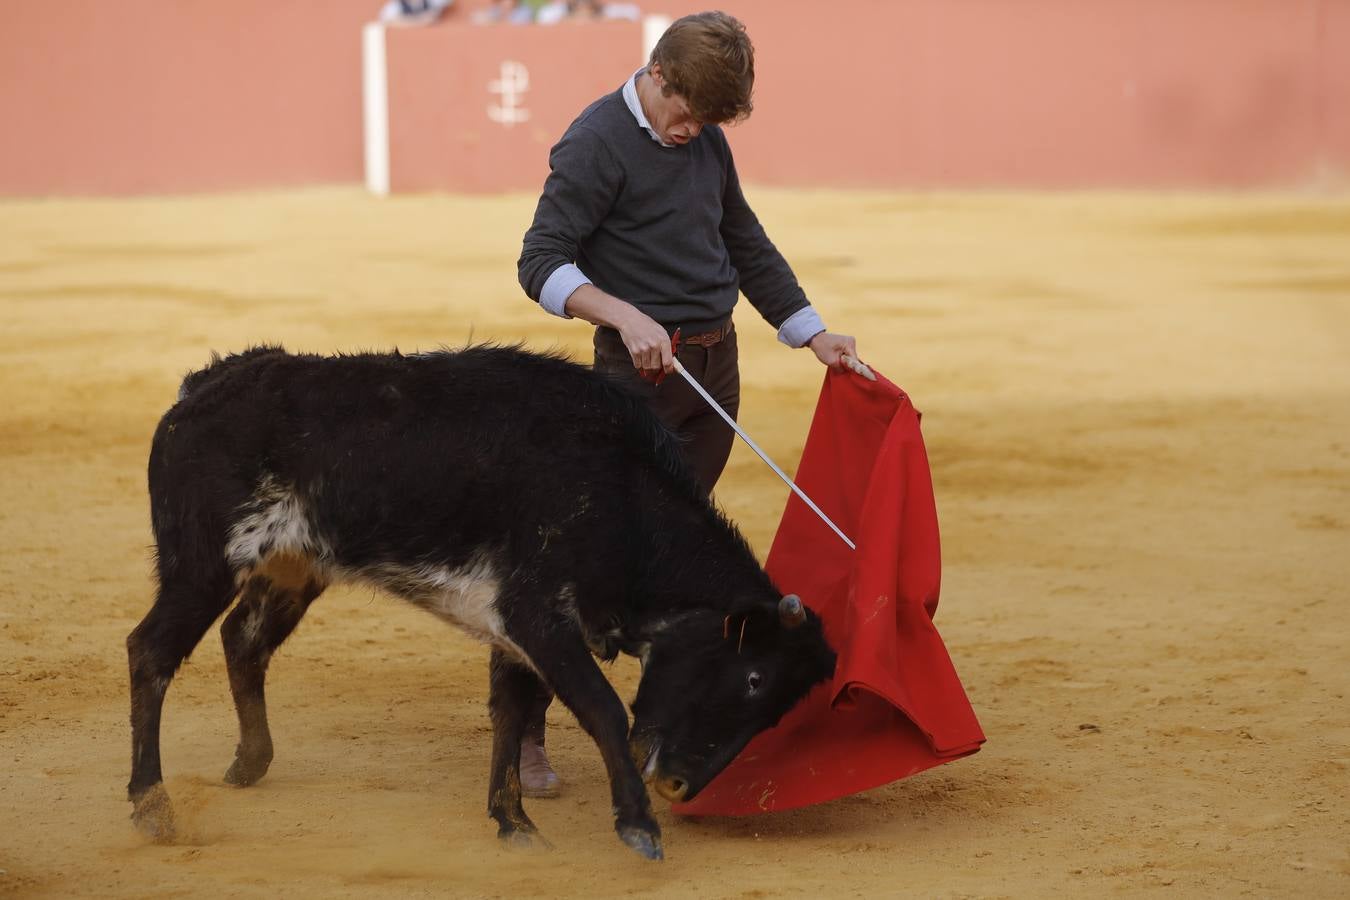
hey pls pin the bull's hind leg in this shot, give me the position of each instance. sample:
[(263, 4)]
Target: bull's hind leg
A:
[(184, 608), (272, 603), (512, 692)]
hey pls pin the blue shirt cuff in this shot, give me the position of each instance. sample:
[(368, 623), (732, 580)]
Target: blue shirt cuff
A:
[(800, 327), (560, 285)]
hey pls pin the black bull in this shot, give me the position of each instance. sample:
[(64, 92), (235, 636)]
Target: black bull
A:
[(529, 501)]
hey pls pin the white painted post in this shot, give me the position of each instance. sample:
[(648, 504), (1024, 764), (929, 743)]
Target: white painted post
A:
[(375, 92), (652, 29)]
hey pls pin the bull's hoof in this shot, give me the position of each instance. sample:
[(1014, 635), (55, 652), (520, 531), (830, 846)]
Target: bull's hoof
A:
[(645, 842), (243, 773), (153, 815), (248, 768), (519, 839)]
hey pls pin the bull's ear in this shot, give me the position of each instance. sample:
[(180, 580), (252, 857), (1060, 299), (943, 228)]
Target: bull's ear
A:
[(790, 611)]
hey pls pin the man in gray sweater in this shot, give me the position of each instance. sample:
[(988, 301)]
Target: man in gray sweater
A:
[(642, 229)]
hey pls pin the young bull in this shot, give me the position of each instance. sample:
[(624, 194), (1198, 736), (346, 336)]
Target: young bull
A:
[(523, 498)]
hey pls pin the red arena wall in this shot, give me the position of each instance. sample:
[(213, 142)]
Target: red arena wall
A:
[(476, 108), (1045, 93), (136, 96), (152, 97)]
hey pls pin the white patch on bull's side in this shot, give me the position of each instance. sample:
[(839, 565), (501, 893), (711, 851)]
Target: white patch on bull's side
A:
[(273, 521), (466, 597)]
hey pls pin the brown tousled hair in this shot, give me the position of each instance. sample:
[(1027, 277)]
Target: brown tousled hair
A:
[(708, 60)]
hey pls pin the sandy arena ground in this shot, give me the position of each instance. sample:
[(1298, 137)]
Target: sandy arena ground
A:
[(1138, 414)]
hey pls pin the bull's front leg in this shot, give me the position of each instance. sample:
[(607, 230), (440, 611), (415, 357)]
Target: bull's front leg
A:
[(512, 689), (561, 656)]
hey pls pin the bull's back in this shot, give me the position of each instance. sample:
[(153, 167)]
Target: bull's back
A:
[(474, 445)]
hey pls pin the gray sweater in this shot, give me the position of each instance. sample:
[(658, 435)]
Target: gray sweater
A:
[(664, 228)]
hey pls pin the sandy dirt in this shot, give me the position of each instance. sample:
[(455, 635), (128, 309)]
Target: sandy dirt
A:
[(1138, 414)]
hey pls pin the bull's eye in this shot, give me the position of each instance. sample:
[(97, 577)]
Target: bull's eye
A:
[(753, 680)]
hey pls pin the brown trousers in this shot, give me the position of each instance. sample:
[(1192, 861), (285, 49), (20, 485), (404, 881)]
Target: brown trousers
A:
[(705, 439)]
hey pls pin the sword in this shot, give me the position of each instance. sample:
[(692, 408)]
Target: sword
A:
[(693, 382)]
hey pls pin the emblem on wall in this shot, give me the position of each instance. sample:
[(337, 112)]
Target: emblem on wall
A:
[(510, 86)]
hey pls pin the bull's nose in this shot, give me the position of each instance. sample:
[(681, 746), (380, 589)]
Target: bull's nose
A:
[(672, 788)]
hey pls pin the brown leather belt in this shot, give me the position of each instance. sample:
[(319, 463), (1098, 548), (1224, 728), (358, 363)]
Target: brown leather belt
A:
[(707, 338)]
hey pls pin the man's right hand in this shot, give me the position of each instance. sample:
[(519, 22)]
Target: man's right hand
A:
[(647, 342)]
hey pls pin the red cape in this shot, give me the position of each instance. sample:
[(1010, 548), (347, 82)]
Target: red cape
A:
[(895, 706)]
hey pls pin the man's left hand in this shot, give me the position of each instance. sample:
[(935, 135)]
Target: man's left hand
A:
[(829, 348)]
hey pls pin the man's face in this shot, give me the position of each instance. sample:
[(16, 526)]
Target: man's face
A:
[(669, 115)]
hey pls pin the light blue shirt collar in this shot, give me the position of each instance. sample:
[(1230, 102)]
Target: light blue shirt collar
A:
[(630, 97)]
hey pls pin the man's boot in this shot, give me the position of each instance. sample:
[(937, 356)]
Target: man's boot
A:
[(537, 778)]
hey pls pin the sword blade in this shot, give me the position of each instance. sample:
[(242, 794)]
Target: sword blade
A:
[(740, 432)]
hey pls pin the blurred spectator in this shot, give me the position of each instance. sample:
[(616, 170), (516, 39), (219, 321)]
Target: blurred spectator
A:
[(514, 12), (557, 10), (412, 12)]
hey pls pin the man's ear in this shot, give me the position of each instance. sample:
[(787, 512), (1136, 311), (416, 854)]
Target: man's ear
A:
[(654, 70)]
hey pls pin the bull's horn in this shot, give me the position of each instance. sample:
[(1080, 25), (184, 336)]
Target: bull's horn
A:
[(790, 611)]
